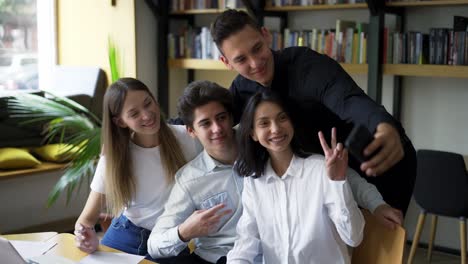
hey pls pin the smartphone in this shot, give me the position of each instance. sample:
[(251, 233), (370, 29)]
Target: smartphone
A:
[(357, 141)]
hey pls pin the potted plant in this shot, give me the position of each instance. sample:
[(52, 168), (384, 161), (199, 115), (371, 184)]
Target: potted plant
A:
[(69, 123)]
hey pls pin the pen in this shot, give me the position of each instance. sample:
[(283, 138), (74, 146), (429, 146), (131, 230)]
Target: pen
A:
[(50, 248)]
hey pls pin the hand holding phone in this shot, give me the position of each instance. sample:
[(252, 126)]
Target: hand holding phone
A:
[(357, 141)]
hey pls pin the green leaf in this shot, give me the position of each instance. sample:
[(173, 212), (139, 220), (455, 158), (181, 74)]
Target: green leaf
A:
[(113, 60), (70, 123)]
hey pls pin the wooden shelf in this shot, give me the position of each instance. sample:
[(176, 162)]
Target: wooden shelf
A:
[(426, 70), (429, 3), (197, 64), (388, 69), (43, 167), (315, 7), (355, 68), (201, 11)]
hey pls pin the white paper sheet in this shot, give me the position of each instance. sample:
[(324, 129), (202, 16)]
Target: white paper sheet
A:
[(110, 257), (29, 249)]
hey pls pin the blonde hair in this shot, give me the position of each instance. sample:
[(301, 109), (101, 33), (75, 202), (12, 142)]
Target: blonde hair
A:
[(119, 179)]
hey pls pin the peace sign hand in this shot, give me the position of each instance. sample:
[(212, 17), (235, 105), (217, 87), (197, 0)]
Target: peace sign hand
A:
[(336, 157)]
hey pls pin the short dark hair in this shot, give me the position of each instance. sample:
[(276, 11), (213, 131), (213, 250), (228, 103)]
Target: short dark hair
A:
[(252, 156), (199, 93), (230, 22)]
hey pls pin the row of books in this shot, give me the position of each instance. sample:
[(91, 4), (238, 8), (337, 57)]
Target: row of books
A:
[(347, 47), (448, 46), (312, 2), (441, 46), (180, 5), (195, 43), (347, 42)]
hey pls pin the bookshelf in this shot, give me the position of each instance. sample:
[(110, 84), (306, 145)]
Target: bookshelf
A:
[(200, 64), (377, 69), (197, 11), (201, 11), (427, 3), (315, 7), (426, 70), (196, 64)]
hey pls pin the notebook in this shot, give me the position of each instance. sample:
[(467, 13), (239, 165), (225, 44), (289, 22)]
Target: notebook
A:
[(10, 255)]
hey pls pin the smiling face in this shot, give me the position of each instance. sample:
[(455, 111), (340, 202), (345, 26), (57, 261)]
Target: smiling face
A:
[(140, 113), (248, 53), (212, 125), (272, 128)]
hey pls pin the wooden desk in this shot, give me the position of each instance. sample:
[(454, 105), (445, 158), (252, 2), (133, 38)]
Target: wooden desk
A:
[(66, 248), (42, 236), (65, 245)]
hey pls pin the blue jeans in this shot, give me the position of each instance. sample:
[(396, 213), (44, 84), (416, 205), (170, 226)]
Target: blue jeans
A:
[(127, 237)]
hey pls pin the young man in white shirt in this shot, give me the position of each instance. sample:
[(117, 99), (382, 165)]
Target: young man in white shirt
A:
[(205, 202)]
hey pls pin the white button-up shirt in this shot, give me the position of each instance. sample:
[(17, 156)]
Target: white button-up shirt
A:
[(200, 184), (301, 217)]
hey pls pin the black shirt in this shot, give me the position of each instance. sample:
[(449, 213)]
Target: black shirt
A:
[(319, 95)]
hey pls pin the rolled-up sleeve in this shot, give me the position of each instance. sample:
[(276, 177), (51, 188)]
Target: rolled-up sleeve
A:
[(343, 211), (247, 246), (164, 240)]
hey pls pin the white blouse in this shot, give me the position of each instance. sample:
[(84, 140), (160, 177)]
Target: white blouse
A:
[(301, 217)]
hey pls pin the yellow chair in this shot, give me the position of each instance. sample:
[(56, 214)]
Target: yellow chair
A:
[(380, 244)]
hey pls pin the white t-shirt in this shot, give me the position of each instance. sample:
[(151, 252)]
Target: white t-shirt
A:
[(152, 188)]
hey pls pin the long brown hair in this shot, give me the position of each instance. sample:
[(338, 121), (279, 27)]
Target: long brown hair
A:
[(119, 179)]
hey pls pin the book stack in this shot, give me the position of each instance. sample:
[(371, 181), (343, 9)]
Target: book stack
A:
[(195, 43), (347, 42), (181, 5), (311, 2), (447, 46)]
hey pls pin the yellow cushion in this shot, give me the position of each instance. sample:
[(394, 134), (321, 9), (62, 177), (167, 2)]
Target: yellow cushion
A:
[(16, 158), (56, 152)]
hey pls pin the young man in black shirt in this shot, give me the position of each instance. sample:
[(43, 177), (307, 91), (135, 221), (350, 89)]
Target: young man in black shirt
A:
[(321, 95)]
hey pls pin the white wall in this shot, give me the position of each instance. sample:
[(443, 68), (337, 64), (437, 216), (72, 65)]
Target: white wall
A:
[(146, 36)]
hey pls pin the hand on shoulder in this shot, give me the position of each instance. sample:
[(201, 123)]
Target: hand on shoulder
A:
[(388, 216)]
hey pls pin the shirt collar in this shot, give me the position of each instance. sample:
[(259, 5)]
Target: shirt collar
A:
[(294, 169), (211, 163)]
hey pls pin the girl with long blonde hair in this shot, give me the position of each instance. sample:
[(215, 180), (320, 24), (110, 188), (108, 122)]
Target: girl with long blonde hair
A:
[(135, 174)]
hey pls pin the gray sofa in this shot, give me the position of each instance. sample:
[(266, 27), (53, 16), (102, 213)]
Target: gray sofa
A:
[(85, 85)]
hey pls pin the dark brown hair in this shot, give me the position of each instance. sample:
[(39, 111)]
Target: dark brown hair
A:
[(199, 93), (230, 22)]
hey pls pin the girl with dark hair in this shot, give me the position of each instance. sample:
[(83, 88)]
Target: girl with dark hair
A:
[(298, 208), (135, 174)]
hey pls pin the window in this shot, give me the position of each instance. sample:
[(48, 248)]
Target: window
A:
[(27, 44)]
